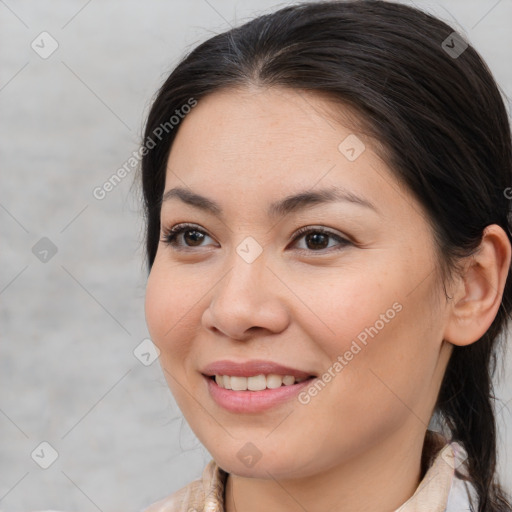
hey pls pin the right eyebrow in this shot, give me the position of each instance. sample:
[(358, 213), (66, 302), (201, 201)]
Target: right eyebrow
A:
[(289, 204)]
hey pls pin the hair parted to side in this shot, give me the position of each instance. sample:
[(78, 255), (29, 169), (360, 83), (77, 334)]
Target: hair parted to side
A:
[(444, 128)]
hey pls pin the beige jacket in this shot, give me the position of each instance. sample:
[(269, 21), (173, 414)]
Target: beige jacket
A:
[(440, 490)]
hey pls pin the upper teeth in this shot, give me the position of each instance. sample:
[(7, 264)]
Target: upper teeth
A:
[(257, 383)]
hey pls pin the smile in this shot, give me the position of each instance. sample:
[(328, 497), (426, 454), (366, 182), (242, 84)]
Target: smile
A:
[(256, 383), (244, 401)]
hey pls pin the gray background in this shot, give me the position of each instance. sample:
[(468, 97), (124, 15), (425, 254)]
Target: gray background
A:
[(68, 375)]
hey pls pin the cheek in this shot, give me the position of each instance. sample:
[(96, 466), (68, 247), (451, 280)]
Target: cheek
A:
[(172, 317), (171, 309), (156, 306), (373, 307), (389, 366), (347, 306), (380, 338)]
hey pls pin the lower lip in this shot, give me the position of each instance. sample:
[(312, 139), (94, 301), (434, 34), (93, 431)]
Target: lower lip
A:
[(253, 401)]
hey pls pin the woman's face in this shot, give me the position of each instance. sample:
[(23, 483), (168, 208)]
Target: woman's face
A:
[(357, 307)]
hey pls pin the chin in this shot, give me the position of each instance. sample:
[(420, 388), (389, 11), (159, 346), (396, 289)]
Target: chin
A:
[(265, 468)]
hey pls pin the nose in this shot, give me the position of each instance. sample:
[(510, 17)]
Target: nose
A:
[(247, 302)]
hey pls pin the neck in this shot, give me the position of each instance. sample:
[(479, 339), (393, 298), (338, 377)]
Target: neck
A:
[(381, 478)]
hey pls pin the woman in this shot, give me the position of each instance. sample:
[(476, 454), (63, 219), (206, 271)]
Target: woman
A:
[(329, 251)]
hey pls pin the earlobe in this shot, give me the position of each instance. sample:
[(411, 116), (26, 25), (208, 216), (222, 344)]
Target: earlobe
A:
[(478, 295)]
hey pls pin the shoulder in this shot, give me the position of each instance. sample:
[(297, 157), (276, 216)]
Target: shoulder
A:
[(193, 496)]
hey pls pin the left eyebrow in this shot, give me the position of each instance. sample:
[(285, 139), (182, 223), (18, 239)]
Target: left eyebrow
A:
[(289, 204), (310, 198)]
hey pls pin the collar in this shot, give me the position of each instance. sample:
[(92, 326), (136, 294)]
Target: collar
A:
[(445, 486)]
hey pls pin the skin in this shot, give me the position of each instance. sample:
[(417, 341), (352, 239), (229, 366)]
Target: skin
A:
[(244, 149)]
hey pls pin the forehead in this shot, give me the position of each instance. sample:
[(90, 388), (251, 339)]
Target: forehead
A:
[(260, 145), (248, 133)]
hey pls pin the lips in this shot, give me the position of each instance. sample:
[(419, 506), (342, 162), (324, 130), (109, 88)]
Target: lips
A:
[(253, 402), (252, 368)]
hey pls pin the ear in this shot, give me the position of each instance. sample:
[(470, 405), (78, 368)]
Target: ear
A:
[(478, 292)]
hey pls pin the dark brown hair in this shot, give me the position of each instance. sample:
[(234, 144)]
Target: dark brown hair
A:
[(433, 105)]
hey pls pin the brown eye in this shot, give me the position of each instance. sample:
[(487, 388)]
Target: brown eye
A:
[(317, 240), (184, 236), (193, 237)]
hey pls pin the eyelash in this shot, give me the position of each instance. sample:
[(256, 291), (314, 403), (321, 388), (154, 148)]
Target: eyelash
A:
[(170, 235)]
